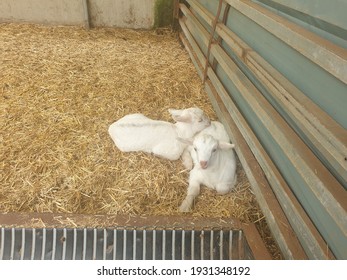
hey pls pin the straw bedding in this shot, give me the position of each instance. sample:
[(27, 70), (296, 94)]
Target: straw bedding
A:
[(60, 89)]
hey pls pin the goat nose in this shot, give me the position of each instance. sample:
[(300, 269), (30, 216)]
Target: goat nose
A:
[(203, 164)]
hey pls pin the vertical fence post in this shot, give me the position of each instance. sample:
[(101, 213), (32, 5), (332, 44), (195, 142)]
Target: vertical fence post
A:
[(86, 14), (215, 21), (176, 13), (219, 39)]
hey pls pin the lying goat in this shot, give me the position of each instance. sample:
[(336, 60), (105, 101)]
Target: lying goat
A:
[(217, 130), (136, 132), (214, 167)]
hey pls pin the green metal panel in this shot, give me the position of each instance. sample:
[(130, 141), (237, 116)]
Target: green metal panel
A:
[(322, 88), (326, 90), (326, 18), (332, 11), (314, 208)]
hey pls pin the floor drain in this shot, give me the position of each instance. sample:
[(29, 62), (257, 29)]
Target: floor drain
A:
[(121, 244)]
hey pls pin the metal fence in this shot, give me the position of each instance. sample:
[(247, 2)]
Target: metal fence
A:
[(122, 244), (279, 88)]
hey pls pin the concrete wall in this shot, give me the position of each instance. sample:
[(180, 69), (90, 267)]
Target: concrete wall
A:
[(112, 13), (122, 13), (67, 12)]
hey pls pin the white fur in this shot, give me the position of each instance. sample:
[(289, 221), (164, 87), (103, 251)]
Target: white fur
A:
[(214, 167), (217, 130), (136, 132)]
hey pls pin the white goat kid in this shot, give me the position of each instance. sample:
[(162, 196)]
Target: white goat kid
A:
[(217, 130), (136, 132), (214, 167)]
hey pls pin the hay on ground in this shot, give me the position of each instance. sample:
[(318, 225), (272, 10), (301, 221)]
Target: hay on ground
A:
[(60, 89)]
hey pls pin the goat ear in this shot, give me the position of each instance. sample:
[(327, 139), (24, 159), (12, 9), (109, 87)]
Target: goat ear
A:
[(225, 145), (188, 141), (178, 116), (175, 112)]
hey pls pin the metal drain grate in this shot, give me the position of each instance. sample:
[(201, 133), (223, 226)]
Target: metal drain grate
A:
[(121, 244)]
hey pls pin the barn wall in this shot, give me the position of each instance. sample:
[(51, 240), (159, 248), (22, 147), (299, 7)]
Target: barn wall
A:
[(122, 13), (135, 14), (320, 17), (279, 69), (69, 12)]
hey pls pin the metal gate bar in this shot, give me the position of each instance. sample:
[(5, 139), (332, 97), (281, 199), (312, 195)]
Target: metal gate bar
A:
[(121, 244)]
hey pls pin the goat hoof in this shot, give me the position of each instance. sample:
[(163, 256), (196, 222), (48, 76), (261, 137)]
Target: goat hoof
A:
[(184, 208)]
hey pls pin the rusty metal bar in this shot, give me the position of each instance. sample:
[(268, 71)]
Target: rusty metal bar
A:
[(83, 220), (176, 8), (329, 56), (214, 24), (219, 39)]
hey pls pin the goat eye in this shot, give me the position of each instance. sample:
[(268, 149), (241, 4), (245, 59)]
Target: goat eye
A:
[(214, 150), (200, 120), (195, 149)]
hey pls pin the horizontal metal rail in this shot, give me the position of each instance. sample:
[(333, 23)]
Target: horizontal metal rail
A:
[(330, 57)]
